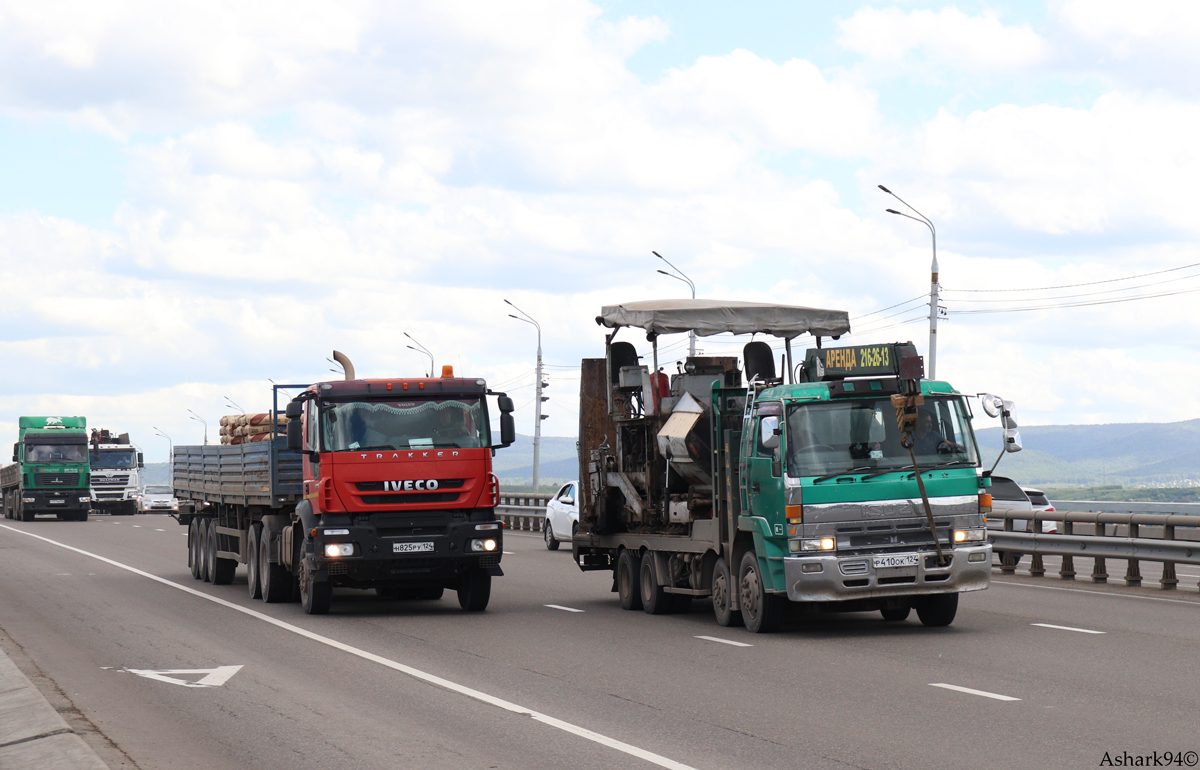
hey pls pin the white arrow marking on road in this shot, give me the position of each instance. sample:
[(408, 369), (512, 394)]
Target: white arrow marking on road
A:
[(560, 607), (969, 691), (1068, 628), (724, 641), (213, 677)]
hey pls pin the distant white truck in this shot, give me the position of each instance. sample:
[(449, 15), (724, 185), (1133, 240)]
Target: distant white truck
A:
[(116, 473)]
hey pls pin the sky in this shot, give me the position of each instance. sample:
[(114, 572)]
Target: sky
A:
[(200, 198)]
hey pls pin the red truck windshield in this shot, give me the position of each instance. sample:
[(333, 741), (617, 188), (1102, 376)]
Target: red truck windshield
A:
[(410, 424)]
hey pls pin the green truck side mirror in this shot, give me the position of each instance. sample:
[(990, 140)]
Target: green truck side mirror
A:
[(15, 452)]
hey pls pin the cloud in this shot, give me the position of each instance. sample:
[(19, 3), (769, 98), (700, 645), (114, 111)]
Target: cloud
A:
[(1118, 166), (948, 38)]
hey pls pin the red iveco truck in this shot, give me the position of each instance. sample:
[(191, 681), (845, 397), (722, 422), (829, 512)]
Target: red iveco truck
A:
[(383, 484)]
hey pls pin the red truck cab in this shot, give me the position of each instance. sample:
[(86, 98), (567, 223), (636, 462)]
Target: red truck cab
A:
[(398, 489)]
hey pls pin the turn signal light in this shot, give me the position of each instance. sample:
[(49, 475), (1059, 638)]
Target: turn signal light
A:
[(985, 502), (795, 513)]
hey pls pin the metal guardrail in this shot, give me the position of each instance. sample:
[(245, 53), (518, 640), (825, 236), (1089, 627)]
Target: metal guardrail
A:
[(1163, 535), (523, 511)]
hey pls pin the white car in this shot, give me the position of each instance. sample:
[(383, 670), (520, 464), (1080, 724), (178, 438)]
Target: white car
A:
[(1009, 496), (562, 516), (157, 499)]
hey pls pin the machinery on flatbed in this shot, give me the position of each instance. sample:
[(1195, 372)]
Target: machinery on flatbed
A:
[(383, 484), (846, 482), (51, 473)]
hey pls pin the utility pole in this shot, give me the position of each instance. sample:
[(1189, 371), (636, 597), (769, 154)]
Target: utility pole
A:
[(421, 349), (933, 279), (170, 456), (538, 398), (681, 277), (200, 420)]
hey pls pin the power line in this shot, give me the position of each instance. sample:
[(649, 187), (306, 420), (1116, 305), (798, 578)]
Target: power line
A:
[(1091, 293), (1089, 283), (889, 307), (1074, 304)]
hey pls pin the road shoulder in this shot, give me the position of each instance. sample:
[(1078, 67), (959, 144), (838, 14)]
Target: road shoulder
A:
[(33, 733)]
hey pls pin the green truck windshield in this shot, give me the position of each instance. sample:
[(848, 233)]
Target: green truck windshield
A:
[(56, 453), (834, 436), (416, 424)]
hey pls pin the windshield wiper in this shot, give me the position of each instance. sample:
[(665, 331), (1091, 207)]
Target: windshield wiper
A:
[(923, 470), (850, 472)]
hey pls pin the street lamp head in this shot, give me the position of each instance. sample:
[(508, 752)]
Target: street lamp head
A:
[(664, 272), (660, 256), (893, 211), (886, 190), (509, 303)]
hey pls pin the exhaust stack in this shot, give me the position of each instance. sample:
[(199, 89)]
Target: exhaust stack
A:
[(345, 362)]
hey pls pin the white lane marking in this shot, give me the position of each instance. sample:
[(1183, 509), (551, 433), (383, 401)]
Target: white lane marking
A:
[(213, 677), (137, 526), (415, 673), (1068, 628), (509, 553), (1097, 593), (161, 530), (724, 641), (969, 691), (560, 607)]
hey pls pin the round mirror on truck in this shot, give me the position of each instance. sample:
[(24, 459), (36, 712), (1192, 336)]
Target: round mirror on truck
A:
[(992, 405)]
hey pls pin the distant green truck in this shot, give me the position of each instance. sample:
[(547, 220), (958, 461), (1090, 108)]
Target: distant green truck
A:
[(52, 474)]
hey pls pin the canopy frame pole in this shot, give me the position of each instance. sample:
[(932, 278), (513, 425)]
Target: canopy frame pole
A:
[(787, 343)]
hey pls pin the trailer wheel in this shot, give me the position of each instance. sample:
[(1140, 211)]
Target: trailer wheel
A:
[(252, 583), (628, 583), (722, 595), (194, 548), (221, 569), (82, 515), (474, 590), (655, 599), (202, 550), (274, 580), (760, 610), (937, 610)]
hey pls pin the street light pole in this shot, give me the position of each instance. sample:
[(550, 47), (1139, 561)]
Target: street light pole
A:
[(538, 397), (170, 456), (681, 277), (933, 279), (200, 420), (420, 349)]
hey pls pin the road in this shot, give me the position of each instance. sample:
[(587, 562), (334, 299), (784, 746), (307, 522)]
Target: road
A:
[(392, 684)]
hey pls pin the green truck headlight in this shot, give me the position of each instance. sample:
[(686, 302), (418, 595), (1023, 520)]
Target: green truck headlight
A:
[(969, 535), (818, 544)]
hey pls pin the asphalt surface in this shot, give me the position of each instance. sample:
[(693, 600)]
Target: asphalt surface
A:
[(395, 684)]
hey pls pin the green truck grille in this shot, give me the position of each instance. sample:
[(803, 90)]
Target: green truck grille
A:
[(64, 480)]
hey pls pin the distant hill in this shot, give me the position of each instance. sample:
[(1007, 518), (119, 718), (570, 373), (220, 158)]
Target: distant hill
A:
[(1125, 454)]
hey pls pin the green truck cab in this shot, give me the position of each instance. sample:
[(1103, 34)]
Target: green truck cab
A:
[(51, 474), (751, 486)]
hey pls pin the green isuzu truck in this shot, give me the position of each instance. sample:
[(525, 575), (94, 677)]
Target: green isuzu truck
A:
[(843, 482), (52, 474)]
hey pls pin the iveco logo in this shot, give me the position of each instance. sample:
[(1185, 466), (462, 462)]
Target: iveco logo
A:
[(420, 485)]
